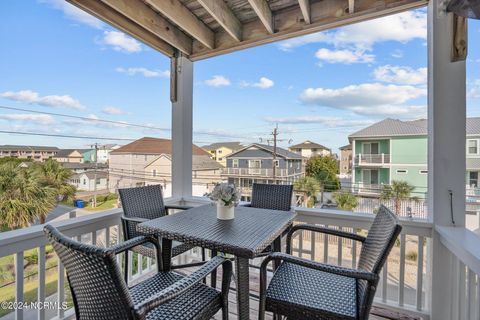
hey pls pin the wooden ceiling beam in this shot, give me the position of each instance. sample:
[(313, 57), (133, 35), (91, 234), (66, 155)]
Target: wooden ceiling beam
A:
[(326, 14), (351, 6), (224, 16), (305, 8), (144, 16), (176, 12), (264, 13), (109, 16)]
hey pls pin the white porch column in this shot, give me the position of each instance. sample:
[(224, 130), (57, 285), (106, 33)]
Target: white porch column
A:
[(446, 151), (182, 115)]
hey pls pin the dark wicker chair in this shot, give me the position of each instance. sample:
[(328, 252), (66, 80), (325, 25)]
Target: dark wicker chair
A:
[(141, 204), (271, 196), (304, 289), (99, 291)]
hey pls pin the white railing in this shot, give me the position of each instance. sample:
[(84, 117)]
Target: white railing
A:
[(372, 159), (464, 246), (262, 172), (404, 273), (402, 285)]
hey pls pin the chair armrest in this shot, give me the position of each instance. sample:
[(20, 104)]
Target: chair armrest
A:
[(245, 204), (184, 284), (341, 271), (314, 228), (133, 219), (126, 245), (177, 207)]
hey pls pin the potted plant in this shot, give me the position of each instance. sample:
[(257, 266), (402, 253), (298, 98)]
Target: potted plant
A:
[(227, 197)]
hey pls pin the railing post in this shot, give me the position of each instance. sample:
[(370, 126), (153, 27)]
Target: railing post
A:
[(383, 158), (446, 151), (182, 124)]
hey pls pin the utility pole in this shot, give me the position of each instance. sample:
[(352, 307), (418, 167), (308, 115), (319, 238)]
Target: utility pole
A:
[(94, 203), (274, 167)]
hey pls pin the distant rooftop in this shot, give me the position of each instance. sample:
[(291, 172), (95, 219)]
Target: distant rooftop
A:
[(149, 145), (346, 147), (63, 153), (235, 145), (11, 147), (280, 151), (308, 145), (85, 165)]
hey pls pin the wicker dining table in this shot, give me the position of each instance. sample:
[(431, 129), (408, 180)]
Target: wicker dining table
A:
[(246, 237)]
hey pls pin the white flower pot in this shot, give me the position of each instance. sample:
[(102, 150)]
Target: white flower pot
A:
[(224, 212)]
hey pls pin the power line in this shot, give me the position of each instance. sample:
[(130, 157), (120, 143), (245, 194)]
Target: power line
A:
[(63, 135)]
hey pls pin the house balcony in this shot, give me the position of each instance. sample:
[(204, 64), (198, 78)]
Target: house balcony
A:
[(403, 288), (256, 172), (372, 160)]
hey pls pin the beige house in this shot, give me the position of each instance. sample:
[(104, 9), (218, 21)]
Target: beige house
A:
[(219, 151), (345, 160), (35, 153), (69, 155), (308, 149), (148, 161)]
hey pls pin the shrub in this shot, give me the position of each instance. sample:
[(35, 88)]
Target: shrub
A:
[(346, 200), (411, 255)]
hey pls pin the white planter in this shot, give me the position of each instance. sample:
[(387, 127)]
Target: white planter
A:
[(224, 212)]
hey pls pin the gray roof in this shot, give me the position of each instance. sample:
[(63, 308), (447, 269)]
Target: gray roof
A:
[(308, 145), (235, 145), (63, 153), (91, 175), (393, 127), (204, 163), (8, 147), (346, 147), (87, 165), (280, 151)]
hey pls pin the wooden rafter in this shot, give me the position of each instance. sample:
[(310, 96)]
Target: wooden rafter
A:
[(176, 12), (264, 13), (106, 14), (144, 16), (305, 8), (224, 16), (326, 14), (351, 6)]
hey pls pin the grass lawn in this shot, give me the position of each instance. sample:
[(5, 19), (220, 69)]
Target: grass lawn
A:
[(109, 204)]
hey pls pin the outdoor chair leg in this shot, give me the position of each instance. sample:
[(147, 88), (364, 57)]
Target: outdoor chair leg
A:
[(203, 259), (213, 275), (125, 269)]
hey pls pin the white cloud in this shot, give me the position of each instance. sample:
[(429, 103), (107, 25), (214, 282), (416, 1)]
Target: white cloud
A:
[(344, 56), (401, 75), (397, 54), (474, 91), (29, 96), (113, 110), (218, 81), (148, 73), (328, 121), (368, 99), (35, 118), (121, 42), (74, 13), (263, 83), (402, 27)]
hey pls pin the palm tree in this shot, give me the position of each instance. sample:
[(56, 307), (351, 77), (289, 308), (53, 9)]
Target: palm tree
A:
[(53, 175), (309, 187), (398, 191), (22, 198)]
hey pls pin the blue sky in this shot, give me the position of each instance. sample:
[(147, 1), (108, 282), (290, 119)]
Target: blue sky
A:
[(322, 87)]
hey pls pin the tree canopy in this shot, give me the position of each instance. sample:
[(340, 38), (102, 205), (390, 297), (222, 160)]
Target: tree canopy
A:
[(324, 169)]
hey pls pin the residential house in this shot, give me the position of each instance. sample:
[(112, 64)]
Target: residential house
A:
[(78, 167), (36, 153), (86, 181), (69, 155), (219, 151), (88, 155), (345, 162), (255, 163), (104, 150), (148, 161), (308, 149)]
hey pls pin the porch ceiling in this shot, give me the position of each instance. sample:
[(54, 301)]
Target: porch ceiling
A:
[(205, 28)]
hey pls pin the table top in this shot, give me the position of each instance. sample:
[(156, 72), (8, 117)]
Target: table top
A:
[(248, 234)]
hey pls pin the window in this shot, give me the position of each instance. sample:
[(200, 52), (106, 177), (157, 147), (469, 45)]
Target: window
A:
[(254, 164), (370, 176), (219, 151), (402, 171), (84, 181), (220, 159), (370, 148), (473, 179), (472, 146), (154, 172), (423, 171), (235, 163), (276, 163)]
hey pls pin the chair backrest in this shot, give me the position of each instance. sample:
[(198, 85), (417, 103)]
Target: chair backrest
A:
[(375, 250), (98, 289), (272, 196), (141, 202)]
